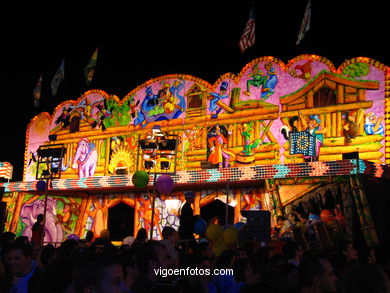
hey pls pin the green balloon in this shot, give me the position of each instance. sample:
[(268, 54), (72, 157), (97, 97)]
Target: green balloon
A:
[(140, 179)]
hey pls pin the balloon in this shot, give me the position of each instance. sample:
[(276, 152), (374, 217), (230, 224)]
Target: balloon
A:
[(140, 179), (41, 185), (164, 184), (326, 216), (230, 236), (74, 237), (239, 225), (200, 227), (214, 232), (314, 217), (219, 247)]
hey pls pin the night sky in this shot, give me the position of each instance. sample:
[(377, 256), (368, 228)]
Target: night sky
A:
[(141, 41)]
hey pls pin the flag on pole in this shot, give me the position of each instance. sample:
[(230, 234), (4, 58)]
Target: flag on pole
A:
[(6, 170), (37, 92), (89, 70), (305, 26), (58, 77), (248, 37)]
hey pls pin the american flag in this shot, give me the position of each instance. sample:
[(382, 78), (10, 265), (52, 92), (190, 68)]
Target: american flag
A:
[(6, 170), (248, 37), (37, 92), (305, 25)]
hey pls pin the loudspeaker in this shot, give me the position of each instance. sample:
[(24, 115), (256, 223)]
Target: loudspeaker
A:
[(257, 228), (257, 220), (349, 156)]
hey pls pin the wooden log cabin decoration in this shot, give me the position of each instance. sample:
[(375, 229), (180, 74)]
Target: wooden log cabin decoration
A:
[(229, 131)]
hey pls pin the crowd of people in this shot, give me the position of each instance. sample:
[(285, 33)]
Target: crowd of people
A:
[(141, 265)]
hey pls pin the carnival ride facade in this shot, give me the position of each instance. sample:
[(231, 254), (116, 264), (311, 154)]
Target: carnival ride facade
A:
[(241, 140)]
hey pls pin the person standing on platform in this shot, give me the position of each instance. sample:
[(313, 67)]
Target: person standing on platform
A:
[(187, 219), (38, 232)]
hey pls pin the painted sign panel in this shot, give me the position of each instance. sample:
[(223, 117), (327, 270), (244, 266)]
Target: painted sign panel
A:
[(240, 120)]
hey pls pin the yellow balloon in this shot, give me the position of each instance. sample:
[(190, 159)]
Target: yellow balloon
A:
[(214, 232), (230, 236), (219, 246)]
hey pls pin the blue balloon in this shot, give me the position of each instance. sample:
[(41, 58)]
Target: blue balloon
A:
[(200, 227), (41, 185), (239, 225)]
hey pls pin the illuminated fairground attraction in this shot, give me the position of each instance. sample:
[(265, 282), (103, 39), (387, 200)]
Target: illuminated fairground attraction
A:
[(301, 139)]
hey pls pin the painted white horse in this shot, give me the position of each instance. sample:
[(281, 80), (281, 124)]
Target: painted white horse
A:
[(85, 158)]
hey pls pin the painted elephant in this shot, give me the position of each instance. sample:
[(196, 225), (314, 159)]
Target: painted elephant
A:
[(29, 213), (85, 158)]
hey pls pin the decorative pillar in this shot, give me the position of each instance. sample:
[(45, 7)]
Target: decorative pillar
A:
[(273, 192), (197, 203), (363, 211), (136, 214), (237, 208)]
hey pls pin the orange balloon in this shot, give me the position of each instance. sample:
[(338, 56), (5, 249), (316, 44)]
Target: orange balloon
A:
[(326, 216)]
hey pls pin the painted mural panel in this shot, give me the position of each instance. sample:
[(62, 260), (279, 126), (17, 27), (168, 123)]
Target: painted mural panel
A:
[(62, 214), (240, 120), (68, 215)]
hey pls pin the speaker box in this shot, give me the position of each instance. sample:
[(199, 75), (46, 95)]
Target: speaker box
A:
[(257, 220), (257, 228)]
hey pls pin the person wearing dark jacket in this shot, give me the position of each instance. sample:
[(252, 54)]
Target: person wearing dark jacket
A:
[(187, 219)]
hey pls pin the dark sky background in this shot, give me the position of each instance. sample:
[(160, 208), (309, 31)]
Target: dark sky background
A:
[(141, 41)]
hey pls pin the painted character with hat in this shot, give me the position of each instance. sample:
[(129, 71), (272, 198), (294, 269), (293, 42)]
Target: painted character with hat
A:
[(215, 97), (313, 127), (373, 124)]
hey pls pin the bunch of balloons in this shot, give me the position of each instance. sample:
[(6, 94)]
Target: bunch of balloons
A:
[(220, 238)]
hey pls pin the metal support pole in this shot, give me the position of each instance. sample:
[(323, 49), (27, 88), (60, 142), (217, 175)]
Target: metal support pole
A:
[(153, 206), (44, 211), (227, 204)]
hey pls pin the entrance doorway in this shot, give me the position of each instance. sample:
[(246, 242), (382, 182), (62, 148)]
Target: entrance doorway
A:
[(120, 221), (217, 209)]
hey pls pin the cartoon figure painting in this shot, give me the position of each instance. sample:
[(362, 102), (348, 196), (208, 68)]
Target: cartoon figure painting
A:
[(194, 137), (293, 127), (145, 213), (251, 201), (99, 216), (270, 83), (85, 158), (167, 104), (63, 121), (215, 106), (350, 128), (373, 124), (167, 96), (249, 144), (29, 213), (313, 127), (267, 81), (302, 71), (219, 155), (258, 79)]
